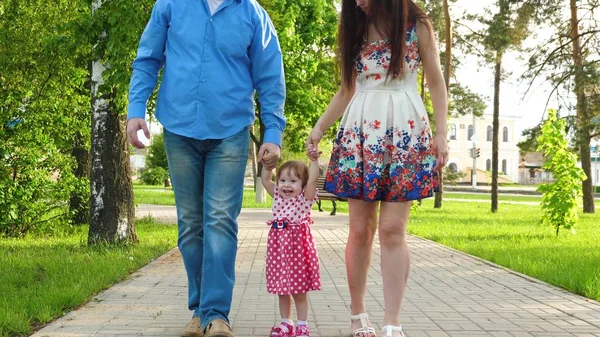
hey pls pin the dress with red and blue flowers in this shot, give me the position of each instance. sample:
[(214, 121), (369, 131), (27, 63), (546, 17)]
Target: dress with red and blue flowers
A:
[(383, 146)]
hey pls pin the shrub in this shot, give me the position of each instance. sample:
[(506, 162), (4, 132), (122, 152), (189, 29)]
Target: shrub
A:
[(559, 202), (154, 176)]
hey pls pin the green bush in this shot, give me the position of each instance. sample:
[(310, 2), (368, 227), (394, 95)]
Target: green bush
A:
[(560, 197), (154, 176), (452, 177)]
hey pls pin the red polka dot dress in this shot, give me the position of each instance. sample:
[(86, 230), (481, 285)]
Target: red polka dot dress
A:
[(292, 265)]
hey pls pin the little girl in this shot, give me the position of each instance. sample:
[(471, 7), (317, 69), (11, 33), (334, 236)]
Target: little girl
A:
[(292, 266)]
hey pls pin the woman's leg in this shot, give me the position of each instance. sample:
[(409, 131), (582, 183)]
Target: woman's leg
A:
[(395, 258), (363, 223)]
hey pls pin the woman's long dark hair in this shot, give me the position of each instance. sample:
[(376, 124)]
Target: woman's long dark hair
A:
[(390, 18)]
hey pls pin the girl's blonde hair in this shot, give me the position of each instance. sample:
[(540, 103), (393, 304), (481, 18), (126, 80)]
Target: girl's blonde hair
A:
[(297, 167)]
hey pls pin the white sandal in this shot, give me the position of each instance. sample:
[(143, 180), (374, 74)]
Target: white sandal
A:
[(365, 329), (388, 329)]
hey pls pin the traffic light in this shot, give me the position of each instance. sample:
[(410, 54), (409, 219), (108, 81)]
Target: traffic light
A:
[(474, 153)]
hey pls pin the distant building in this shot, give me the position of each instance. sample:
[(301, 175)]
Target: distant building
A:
[(531, 171), (460, 136), (137, 160)]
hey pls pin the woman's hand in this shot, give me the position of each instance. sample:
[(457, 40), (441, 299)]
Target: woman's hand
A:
[(312, 143), (440, 150)]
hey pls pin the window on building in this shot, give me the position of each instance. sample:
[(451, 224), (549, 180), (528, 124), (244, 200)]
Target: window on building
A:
[(504, 167), (531, 173), (452, 131), (489, 134), (488, 165), (505, 134), (470, 132)]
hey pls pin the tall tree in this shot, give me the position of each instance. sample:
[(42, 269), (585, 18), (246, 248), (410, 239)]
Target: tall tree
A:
[(447, 72), (506, 30), (584, 134), (157, 155), (79, 202), (462, 101), (306, 31), (569, 61), (112, 208)]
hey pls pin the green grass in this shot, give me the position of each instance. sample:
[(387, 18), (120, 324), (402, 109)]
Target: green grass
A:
[(42, 278), (153, 195), (501, 197), (157, 195), (513, 238)]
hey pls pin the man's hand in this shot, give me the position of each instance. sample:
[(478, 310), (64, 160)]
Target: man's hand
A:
[(133, 126), (269, 154)]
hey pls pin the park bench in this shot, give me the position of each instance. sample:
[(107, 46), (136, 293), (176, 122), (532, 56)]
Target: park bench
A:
[(324, 195)]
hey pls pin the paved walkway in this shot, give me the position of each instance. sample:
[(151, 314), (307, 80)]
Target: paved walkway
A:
[(449, 294)]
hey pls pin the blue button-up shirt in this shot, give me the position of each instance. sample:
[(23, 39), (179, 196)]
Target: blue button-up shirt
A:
[(212, 66)]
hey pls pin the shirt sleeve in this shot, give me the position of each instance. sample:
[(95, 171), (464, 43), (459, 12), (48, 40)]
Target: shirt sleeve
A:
[(149, 60), (268, 77)]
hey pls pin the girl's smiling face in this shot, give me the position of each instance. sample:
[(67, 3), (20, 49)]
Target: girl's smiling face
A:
[(290, 186)]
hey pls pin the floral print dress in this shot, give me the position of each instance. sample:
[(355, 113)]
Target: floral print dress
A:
[(383, 146)]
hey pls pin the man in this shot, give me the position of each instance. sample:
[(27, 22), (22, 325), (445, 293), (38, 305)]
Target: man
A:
[(215, 53)]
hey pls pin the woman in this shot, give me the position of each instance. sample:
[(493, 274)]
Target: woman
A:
[(384, 155)]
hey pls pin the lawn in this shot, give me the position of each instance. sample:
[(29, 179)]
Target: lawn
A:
[(157, 195), (50, 276), (513, 238), (501, 197)]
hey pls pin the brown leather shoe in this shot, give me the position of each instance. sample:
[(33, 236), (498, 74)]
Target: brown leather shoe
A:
[(218, 328), (193, 328)]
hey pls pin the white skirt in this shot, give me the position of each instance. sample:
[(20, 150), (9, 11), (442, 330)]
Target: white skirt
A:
[(383, 149)]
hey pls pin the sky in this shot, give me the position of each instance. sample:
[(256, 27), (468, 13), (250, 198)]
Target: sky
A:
[(528, 109)]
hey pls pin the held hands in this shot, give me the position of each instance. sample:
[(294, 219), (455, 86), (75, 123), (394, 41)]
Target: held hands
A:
[(313, 152), (440, 150), (269, 154), (312, 144), (133, 126)]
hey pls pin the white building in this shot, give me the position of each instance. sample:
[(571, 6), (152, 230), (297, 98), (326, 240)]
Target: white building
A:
[(460, 136), (137, 160)]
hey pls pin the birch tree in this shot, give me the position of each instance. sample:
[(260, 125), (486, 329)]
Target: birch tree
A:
[(112, 209)]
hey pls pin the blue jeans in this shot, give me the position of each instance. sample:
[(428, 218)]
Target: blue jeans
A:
[(208, 181)]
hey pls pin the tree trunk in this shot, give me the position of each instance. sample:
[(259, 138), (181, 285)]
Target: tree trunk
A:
[(584, 130), (79, 204), (261, 193), (495, 127), (423, 86), (252, 155), (112, 208), (447, 72)]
